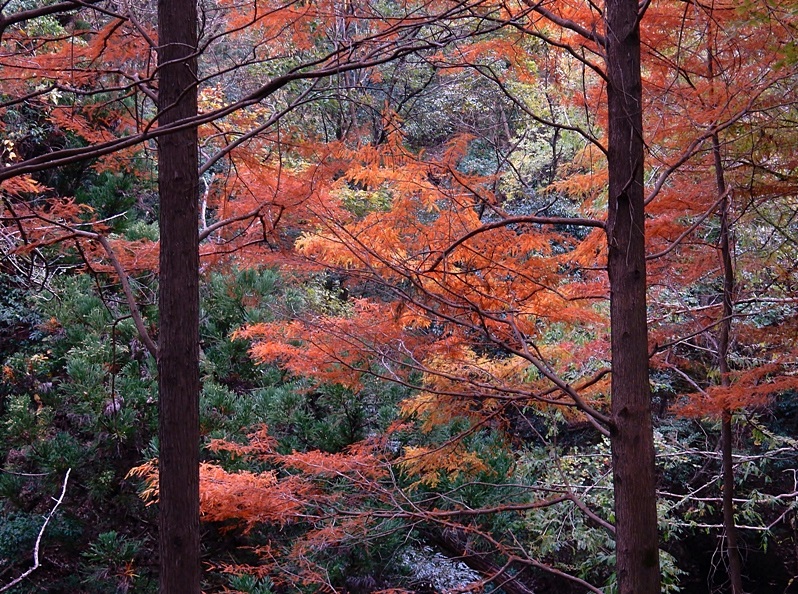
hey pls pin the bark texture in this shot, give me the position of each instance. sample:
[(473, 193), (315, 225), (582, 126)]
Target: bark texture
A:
[(637, 546), (178, 299)]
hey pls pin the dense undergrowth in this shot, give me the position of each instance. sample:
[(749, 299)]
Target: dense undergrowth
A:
[(78, 393)]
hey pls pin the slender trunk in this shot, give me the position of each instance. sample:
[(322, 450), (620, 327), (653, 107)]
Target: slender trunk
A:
[(724, 330), (178, 301), (637, 543)]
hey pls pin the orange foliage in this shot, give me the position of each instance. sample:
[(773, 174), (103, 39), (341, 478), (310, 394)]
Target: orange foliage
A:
[(449, 461), (472, 307), (272, 496), (749, 388), (307, 490)]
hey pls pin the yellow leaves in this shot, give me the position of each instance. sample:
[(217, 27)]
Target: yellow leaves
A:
[(7, 150), (431, 409), (148, 473), (325, 248), (432, 465), (458, 383), (210, 98)]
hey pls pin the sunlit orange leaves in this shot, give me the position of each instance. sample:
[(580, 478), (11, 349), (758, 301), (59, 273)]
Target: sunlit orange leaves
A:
[(336, 349), (248, 498)]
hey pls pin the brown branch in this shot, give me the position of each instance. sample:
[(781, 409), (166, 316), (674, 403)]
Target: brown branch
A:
[(131, 300), (591, 35), (35, 13), (511, 221), (590, 513), (135, 313), (480, 563), (676, 242), (252, 133), (598, 420), (500, 508)]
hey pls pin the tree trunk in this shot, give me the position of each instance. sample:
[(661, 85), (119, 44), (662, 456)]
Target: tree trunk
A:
[(637, 547), (724, 332), (178, 302)]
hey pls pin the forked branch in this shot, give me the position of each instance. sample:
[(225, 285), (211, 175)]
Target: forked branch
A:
[(37, 545)]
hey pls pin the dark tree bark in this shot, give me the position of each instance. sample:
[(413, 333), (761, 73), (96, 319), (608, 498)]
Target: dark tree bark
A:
[(178, 301), (724, 332), (637, 547)]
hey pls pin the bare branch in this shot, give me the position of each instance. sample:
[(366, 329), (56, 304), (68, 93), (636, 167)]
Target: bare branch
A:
[(35, 13), (36, 547), (131, 300)]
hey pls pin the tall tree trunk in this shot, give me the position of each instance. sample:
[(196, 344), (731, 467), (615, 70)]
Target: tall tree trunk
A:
[(637, 546), (178, 299), (724, 331)]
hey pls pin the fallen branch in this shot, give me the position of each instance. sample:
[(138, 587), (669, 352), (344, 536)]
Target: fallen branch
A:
[(47, 518)]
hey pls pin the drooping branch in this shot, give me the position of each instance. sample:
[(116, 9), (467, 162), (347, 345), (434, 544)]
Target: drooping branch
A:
[(596, 418), (124, 280), (480, 563)]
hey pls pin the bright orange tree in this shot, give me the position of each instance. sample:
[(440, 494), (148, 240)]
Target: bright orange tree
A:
[(488, 308), (474, 290), (730, 80), (730, 85), (104, 85), (469, 287)]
